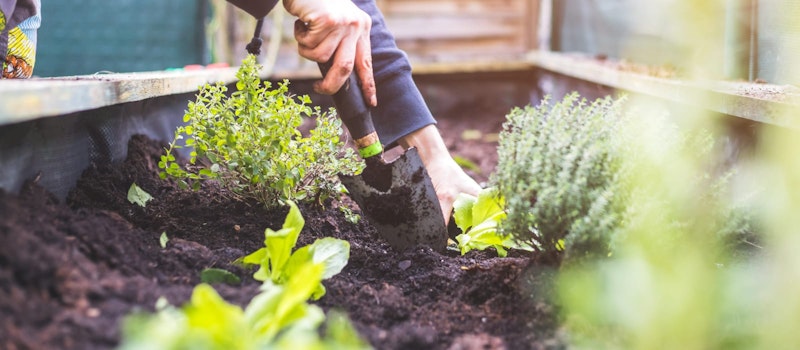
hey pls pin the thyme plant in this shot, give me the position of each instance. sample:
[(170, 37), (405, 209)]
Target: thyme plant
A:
[(558, 170), (572, 177), (249, 141)]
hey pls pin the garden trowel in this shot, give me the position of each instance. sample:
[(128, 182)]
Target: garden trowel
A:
[(396, 196)]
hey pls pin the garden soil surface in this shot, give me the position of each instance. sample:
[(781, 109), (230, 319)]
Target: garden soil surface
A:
[(71, 270)]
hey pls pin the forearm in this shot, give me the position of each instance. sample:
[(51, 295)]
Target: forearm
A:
[(401, 108)]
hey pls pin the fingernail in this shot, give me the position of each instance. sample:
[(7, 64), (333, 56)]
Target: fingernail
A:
[(373, 101)]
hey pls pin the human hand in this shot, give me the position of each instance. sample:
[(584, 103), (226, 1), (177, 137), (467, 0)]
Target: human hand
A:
[(335, 31)]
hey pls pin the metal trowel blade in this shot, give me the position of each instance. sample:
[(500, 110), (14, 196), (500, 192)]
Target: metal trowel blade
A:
[(399, 200)]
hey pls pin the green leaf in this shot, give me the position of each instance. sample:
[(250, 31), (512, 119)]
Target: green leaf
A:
[(215, 275), (222, 322), (479, 219), (462, 211), (280, 306), (280, 243), (332, 253), (163, 239), (138, 196), (488, 205)]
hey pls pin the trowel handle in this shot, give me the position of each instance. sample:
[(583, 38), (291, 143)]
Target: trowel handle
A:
[(355, 115)]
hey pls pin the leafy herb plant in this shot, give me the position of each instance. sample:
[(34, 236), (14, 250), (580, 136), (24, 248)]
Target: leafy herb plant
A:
[(571, 173), (559, 167), (277, 263), (249, 141), (479, 219)]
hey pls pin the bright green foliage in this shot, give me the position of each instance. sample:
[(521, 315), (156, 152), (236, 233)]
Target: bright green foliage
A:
[(277, 318), (479, 219), (138, 196), (163, 239), (558, 168), (277, 263), (250, 143)]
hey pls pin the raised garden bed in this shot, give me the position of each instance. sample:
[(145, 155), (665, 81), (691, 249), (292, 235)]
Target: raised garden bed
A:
[(69, 272)]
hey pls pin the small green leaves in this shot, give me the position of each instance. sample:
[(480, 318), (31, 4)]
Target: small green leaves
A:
[(252, 144), (214, 275), (138, 196), (163, 239), (479, 218), (562, 167)]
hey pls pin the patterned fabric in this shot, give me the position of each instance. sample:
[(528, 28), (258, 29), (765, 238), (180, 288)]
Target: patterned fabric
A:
[(19, 21)]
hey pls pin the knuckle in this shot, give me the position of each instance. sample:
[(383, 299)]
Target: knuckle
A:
[(345, 66)]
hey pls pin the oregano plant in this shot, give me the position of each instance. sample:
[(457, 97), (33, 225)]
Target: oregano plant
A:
[(249, 141)]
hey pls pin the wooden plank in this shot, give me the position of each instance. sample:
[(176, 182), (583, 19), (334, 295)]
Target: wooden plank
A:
[(451, 28), (475, 7), (28, 99), (773, 104)]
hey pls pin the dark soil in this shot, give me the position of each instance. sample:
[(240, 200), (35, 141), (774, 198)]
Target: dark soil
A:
[(69, 272)]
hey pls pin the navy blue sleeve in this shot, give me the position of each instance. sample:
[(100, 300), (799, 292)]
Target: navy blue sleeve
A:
[(401, 108)]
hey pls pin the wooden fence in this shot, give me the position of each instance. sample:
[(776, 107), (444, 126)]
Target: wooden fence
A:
[(429, 31)]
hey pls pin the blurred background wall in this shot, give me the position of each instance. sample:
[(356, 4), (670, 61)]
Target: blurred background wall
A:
[(89, 36)]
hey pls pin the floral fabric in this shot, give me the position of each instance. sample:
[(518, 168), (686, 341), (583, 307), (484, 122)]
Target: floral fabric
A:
[(19, 21)]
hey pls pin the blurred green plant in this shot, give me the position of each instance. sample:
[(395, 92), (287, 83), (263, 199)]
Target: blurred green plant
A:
[(671, 282), (575, 179), (250, 143), (277, 318)]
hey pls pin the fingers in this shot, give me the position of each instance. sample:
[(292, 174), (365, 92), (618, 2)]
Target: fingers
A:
[(343, 40), (341, 67), (316, 42), (363, 67)]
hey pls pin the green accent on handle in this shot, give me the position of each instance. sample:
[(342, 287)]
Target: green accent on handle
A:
[(371, 150)]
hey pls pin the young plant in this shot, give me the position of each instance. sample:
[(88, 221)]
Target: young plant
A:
[(279, 317), (479, 219), (250, 143), (277, 263)]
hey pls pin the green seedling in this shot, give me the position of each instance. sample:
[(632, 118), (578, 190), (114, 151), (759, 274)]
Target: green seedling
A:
[(214, 275), (138, 196), (277, 263), (279, 317), (349, 215), (249, 142), (163, 239), (479, 219)]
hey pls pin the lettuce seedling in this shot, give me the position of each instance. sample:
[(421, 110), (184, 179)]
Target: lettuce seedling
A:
[(137, 195), (277, 263), (479, 219), (279, 317)]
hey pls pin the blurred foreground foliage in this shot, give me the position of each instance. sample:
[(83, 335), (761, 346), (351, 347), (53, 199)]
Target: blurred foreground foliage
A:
[(668, 239), (577, 179)]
